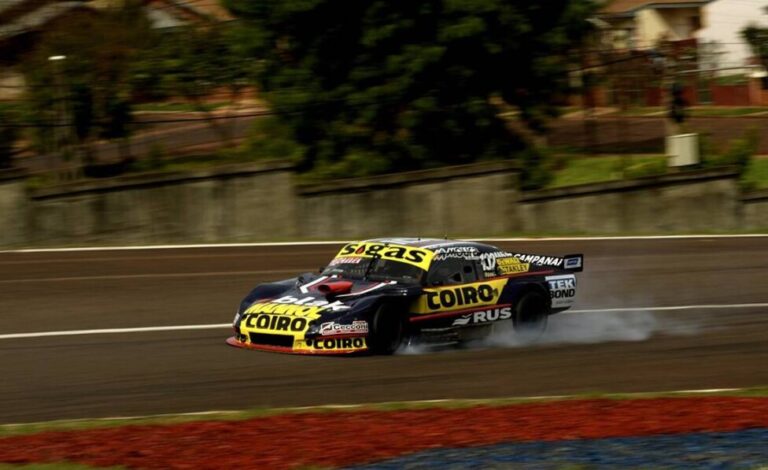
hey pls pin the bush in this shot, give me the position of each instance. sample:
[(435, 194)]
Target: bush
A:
[(739, 152), (538, 168), (270, 139)]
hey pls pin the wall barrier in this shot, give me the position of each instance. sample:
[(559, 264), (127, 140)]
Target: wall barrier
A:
[(264, 202)]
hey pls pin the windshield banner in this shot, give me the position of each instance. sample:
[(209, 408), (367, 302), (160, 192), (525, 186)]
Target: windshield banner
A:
[(418, 257)]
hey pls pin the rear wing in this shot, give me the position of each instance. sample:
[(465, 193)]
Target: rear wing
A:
[(573, 263)]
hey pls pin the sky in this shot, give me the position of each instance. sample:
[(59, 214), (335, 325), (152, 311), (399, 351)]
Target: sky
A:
[(725, 19)]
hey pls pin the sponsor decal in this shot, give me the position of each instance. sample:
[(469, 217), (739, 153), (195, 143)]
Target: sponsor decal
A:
[(461, 252), (484, 316), (418, 257), (459, 297), (512, 265), (488, 260), (562, 290), (572, 263), (345, 260), (336, 343), (540, 260), (287, 314), (274, 323), (334, 329)]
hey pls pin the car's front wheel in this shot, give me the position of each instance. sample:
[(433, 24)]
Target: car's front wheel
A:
[(388, 330)]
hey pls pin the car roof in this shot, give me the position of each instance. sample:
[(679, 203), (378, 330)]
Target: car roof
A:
[(436, 243)]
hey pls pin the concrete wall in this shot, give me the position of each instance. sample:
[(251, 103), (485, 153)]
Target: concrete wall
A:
[(263, 202), (229, 204), (755, 210), (13, 209), (685, 202), (457, 201)]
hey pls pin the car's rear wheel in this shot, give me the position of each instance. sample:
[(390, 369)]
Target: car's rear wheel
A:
[(388, 330), (531, 313)]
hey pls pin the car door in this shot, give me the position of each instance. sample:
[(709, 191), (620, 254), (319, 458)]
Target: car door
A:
[(456, 285)]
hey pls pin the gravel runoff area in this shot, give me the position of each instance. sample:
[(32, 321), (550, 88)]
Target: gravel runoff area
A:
[(705, 432)]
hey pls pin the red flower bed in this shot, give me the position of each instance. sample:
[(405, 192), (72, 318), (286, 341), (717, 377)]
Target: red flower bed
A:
[(345, 438)]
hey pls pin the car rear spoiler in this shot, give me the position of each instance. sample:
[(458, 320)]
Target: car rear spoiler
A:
[(573, 263)]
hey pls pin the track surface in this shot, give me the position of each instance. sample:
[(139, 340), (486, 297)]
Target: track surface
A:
[(182, 371)]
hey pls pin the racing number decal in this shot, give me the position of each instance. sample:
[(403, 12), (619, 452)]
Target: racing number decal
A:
[(418, 257), (459, 297)]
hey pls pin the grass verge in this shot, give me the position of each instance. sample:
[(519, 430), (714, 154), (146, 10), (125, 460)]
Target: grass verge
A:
[(574, 170), (239, 415), (756, 174)]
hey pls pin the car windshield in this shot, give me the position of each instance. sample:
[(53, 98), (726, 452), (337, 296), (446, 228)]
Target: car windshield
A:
[(374, 269)]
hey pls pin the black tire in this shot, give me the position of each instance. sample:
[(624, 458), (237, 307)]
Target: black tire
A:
[(530, 316), (388, 330)]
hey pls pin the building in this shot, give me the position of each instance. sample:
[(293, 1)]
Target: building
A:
[(642, 24), (693, 43)]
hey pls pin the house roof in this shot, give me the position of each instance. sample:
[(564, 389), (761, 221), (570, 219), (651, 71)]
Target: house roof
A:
[(185, 10), (629, 7), (37, 18)]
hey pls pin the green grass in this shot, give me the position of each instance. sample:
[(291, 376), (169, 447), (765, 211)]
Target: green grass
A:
[(73, 425), (756, 174), (576, 170)]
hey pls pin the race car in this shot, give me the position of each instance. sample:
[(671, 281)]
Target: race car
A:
[(378, 295)]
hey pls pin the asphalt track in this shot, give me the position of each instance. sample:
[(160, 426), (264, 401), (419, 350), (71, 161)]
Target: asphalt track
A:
[(185, 371)]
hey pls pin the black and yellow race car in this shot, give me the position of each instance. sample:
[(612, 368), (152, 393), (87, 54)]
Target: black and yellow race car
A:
[(378, 295)]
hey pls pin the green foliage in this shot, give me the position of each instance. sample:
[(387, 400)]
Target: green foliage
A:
[(741, 150), (738, 153), (757, 38), (271, 139), (538, 168), (756, 174), (379, 85), (192, 62), (649, 167)]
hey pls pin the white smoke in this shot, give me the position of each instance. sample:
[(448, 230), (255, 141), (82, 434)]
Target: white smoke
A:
[(598, 327), (586, 328)]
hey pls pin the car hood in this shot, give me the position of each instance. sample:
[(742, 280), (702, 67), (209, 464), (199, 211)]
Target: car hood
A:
[(328, 309)]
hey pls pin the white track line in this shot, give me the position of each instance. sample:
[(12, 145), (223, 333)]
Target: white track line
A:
[(667, 309), (341, 242), (468, 401), (229, 325), (147, 276), (106, 331)]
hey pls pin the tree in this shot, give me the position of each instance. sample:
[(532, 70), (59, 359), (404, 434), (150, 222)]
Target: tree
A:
[(196, 62), (86, 91), (376, 85), (757, 38)]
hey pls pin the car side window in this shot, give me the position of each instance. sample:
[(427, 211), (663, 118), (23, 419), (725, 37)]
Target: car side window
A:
[(452, 271)]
